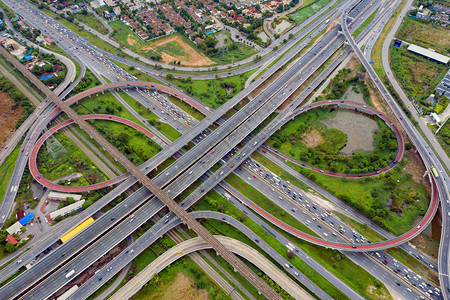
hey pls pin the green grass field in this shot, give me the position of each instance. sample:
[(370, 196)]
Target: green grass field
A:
[(214, 92), (92, 21), (135, 145), (71, 162), (157, 287), (426, 35), (232, 55), (162, 127), (444, 138), (308, 8), (326, 155), (369, 196), (7, 168), (418, 75)]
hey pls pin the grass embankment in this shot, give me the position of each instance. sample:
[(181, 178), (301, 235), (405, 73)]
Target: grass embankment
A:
[(378, 46), (164, 128), (136, 146), (214, 92), (7, 168), (364, 24), (88, 81), (425, 34), (187, 108), (94, 40), (418, 75), (231, 52), (405, 198), (266, 204), (70, 160), (291, 140), (308, 8), (339, 265), (92, 21), (363, 229), (415, 265), (444, 138), (137, 73)]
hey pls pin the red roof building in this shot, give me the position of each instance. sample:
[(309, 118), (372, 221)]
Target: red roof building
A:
[(20, 214), (11, 240)]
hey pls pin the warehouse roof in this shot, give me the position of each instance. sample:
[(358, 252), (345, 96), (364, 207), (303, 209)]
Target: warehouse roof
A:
[(14, 228), (63, 196), (429, 53), (67, 209), (27, 218)]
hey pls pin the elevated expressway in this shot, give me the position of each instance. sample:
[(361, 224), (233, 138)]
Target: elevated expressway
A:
[(161, 227), (157, 191), (428, 156), (196, 244)]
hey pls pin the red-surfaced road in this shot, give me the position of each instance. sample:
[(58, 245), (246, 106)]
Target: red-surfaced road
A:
[(33, 155), (355, 247), (143, 85)]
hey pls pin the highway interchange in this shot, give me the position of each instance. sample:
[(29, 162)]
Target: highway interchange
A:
[(203, 165)]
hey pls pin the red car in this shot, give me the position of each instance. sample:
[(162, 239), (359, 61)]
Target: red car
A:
[(232, 166)]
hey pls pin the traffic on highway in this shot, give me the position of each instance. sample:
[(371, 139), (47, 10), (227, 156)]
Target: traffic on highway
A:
[(220, 144)]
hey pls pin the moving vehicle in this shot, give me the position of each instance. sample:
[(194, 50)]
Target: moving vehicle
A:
[(70, 273), (435, 172)]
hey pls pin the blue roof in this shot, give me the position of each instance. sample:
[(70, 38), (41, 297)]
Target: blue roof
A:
[(28, 57), (47, 77), (15, 19), (26, 219)]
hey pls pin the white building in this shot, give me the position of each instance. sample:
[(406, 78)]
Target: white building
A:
[(435, 118), (66, 210), (63, 196)]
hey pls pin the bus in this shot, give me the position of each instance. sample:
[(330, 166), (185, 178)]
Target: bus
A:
[(77, 229), (435, 172)]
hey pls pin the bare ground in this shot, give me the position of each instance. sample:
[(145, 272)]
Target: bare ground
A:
[(415, 167), (130, 40), (182, 288), (10, 113), (312, 138), (373, 291), (193, 58), (427, 245)]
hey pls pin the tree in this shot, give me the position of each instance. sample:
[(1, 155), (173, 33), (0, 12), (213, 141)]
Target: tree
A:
[(10, 248), (169, 76), (291, 255)]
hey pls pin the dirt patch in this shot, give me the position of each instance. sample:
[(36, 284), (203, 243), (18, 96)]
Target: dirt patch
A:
[(191, 58), (427, 245), (183, 288), (312, 138), (374, 292), (10, 113), (415, 167), (130, 40)]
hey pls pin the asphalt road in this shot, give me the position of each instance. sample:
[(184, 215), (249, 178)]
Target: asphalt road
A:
[(196, 244), (428, 156)]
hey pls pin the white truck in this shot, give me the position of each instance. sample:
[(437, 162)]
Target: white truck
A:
[(70, 273)]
